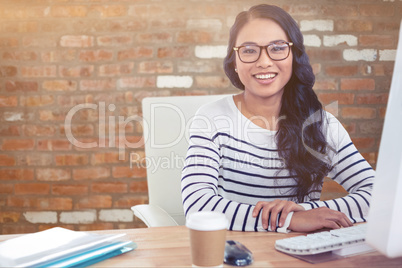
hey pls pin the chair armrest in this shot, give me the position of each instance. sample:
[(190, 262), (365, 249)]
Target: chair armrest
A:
[(153, 216)]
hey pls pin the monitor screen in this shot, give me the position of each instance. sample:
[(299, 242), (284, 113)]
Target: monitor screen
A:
[(384, 230)]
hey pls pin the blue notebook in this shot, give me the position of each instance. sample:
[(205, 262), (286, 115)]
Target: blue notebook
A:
[(93, 256)]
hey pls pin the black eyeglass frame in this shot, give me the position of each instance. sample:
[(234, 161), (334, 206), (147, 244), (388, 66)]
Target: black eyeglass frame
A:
[(289, 44)]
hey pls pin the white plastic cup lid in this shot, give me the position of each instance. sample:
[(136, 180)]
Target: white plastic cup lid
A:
[(207, 221)]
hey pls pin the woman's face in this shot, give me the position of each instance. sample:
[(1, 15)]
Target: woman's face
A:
[(264, 78)]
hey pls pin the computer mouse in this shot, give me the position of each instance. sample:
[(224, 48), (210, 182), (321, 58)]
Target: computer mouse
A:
[(237, 254)]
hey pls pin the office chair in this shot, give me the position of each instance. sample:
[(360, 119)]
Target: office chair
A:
[(165, 126)]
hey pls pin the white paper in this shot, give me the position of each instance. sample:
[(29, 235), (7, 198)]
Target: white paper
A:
[(33, 249)]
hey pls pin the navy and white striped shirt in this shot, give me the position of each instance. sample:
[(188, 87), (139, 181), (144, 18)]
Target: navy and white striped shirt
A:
[(231, 164)]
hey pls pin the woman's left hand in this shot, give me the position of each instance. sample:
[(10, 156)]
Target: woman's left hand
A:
[(318, 218), (273, 208)]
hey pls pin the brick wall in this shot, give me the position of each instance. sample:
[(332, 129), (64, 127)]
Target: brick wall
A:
[(57, 55)]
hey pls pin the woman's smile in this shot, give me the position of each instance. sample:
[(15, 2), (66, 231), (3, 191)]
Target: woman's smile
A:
[(266, 78)]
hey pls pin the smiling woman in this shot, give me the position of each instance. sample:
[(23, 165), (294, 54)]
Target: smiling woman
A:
[(272, 180), (58, 54)]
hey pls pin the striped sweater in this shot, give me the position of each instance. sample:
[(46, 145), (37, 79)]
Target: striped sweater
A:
[(231, 164)]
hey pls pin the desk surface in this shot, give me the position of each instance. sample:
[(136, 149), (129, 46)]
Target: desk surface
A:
[(169, 246)]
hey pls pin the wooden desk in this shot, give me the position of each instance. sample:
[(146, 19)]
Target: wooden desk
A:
[(169, 246)]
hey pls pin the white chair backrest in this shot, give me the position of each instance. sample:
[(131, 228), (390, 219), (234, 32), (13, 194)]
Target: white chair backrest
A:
[(165, 127)]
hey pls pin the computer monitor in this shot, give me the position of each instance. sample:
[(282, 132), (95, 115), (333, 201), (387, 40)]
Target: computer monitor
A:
[(384, 231)]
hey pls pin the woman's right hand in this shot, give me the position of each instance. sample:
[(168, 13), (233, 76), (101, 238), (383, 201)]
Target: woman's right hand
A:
[(271, 210), (318, 218)]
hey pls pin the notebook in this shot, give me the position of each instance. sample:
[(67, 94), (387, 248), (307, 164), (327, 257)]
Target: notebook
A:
[(59, 247)]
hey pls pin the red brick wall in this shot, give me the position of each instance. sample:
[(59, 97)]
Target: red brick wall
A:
[(57, 54)]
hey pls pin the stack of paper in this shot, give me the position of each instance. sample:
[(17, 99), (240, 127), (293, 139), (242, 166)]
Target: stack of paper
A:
[(58, 247)]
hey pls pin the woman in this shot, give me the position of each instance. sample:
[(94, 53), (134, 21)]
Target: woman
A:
[(261, 156)]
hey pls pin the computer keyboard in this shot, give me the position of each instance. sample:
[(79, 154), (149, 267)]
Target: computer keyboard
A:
[(350, 239)]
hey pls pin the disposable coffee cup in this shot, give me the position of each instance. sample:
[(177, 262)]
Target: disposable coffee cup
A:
[(207, 238)]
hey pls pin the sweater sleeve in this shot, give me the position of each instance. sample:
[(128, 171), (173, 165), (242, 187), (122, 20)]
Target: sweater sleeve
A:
[(351, 171), (200, 177)]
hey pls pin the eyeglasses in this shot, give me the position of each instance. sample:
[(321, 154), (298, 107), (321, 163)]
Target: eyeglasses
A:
[(276, 51)]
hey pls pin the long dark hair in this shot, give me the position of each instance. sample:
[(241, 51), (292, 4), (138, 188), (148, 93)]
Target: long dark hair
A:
[(299, 104)]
